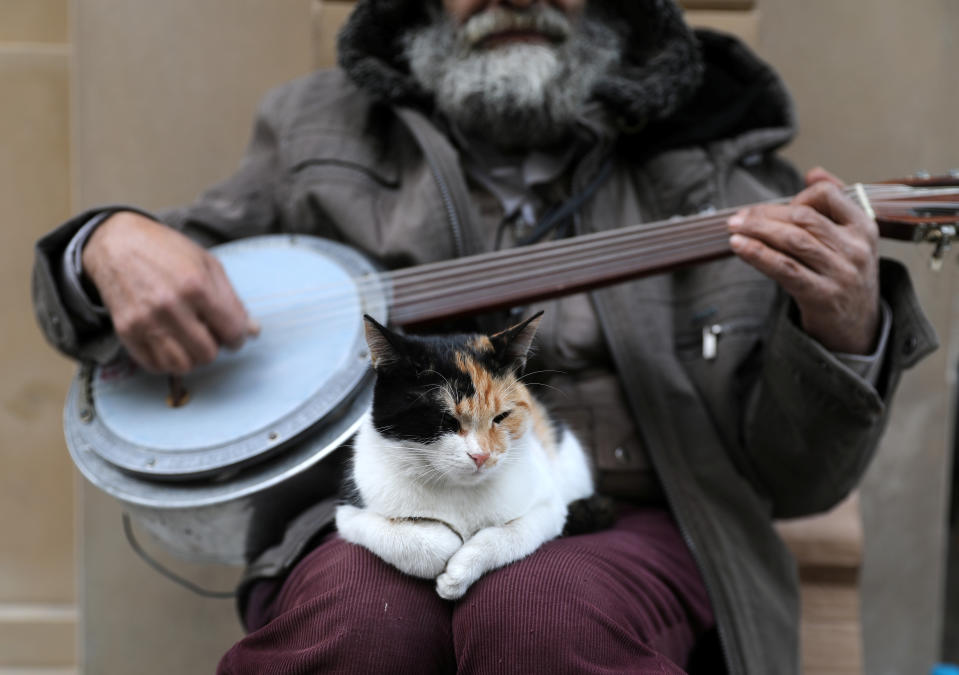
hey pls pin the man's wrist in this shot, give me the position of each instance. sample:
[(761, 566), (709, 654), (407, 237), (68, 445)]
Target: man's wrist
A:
[(868, 366), (80, 295), (79, 291)]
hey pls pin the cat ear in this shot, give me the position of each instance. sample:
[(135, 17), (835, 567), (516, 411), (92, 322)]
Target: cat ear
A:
[(512, 345), (383, 343)]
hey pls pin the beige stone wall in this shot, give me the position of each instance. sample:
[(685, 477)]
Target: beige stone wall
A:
[(163, 98), (37, 591), (877, 93)]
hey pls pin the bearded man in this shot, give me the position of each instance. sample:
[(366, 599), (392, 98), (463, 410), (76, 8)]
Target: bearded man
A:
[(461, 126)]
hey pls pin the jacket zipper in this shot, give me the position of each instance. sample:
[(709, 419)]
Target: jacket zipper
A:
[(720, 605), (708, 339), (451, 214), (711, 340), (721, 628)]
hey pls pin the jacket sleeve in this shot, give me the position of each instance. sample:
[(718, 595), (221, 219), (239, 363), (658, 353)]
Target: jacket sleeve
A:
[(241, 206), (811, 424)]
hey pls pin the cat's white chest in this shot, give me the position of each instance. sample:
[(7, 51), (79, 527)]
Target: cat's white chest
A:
[(394, 490)]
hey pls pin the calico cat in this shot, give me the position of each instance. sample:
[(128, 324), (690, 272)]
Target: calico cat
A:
[(458, 470)]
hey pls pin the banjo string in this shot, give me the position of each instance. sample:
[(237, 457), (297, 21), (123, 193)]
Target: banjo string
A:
[(441, 284), (553, 249), (445, 269), (447, 298), (397, 280), (326, 317), (442, 270), (450, 295), (447, 280)]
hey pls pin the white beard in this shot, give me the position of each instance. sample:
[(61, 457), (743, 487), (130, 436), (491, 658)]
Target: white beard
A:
[(518, 95)]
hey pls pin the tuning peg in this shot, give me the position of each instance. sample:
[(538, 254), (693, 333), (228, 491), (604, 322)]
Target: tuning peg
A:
[(943, 243)]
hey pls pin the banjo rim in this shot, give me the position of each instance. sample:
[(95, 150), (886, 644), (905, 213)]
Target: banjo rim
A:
[(135, 452)]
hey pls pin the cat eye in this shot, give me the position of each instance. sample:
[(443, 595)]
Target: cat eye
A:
[(449, 423), (502, 416)]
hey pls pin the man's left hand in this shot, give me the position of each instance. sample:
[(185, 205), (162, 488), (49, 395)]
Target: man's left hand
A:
[(823, 250)]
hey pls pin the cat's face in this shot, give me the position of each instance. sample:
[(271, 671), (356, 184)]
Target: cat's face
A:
[(450, 407)]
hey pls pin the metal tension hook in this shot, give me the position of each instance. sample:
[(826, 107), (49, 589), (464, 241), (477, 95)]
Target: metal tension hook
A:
[(942, 238)]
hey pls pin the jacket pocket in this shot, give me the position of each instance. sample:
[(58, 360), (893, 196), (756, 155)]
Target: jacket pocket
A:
[(706, 342), (719, 343)]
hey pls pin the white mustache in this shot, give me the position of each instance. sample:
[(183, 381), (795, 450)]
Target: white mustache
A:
[(546, 20)]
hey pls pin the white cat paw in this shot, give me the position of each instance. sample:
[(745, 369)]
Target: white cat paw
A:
[(426, 552), (418, 548), (454, 582)]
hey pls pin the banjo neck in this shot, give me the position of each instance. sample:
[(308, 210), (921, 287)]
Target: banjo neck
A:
[(926, 212)]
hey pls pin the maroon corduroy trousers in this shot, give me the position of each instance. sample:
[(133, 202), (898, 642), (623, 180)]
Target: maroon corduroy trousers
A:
[(625, 600)]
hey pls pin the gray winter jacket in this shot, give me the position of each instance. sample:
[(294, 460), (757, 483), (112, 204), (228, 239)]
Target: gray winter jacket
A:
[(775, 426)]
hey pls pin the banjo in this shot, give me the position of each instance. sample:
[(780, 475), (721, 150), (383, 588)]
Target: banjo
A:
[(214, 465)]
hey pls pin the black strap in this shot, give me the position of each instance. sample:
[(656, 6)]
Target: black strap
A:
[(169, 574), (562, 214)]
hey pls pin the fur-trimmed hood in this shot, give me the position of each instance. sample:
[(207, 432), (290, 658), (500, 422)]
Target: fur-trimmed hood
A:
[(660, 71)]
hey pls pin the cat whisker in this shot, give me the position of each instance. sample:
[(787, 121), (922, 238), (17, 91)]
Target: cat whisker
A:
[(548, 386), (412, 451), (537, 372), (428, 475), (436, 372), (519, 380), (451, 393), (430, 389)]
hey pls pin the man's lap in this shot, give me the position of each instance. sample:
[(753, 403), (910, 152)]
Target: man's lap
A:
[(615, 597)]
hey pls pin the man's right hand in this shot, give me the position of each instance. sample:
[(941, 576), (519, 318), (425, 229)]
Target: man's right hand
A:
[(172, 305)]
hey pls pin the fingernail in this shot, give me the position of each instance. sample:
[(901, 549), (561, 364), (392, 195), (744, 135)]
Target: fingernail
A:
[(736, 241), (253, 328), (737, 219)]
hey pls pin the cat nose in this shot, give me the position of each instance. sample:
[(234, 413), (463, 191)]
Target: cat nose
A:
[(479, 457)]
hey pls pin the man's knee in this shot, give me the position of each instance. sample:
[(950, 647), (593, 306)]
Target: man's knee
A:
[(568, 608), (344, 610), (535, 611), (354, 587)]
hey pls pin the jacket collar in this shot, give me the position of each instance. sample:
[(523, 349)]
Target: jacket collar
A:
[(741, 100)]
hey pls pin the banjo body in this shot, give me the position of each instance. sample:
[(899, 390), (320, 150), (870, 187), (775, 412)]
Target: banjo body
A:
[(215, 477)]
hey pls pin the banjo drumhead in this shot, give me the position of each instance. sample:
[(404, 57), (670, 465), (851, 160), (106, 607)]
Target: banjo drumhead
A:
[(309, 358)]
